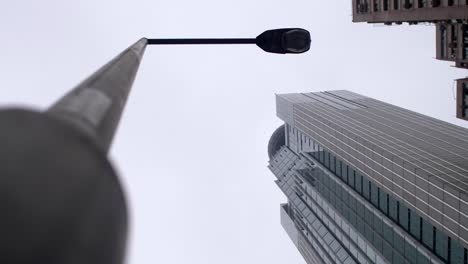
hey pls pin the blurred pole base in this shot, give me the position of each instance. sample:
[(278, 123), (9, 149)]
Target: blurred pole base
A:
[(60, 198)]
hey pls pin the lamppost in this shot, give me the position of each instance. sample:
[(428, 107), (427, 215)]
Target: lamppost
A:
[(282, 41), (60, 198)]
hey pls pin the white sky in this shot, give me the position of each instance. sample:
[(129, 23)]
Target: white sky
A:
[(191, 148)]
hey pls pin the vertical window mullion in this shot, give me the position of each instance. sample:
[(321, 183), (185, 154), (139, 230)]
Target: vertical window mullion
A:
[(420, 229), (409, 220), (370, 191), (378, 197), (398, 211), (334, 163), (465, 257), (354, 178), (449, 251), (388, 204), (362, 184)]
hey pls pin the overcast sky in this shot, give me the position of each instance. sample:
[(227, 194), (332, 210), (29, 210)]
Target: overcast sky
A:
[(191, 148)]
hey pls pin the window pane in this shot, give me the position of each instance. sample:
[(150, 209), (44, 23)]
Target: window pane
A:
[(316, 153), (383, 201), (351, 177), (388, 233), (369, 215), (352, 219), (410, 252), (441, 244), (332, 163), (392, 208), (371, 254), (365, 188), (344, 172), (331, 197), (358, 186), (374, 195), (378, 225), (339, 206), (415, 221), (378, 242), (326, 181), (327, 159), (338, 167), (360, 209), (369, 233), (332, 186), (346, 213), (422, 258), (362, 244), (397, 258), (339, 191), (427, 234), (352, 202), (387, 251), (361, 226), (345, 197), (456, 255), (399, 242), (403, 216)]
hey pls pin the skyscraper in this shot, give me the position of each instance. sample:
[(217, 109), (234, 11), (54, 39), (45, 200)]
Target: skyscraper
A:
[(411, 11), (369, 182), (449, 16)]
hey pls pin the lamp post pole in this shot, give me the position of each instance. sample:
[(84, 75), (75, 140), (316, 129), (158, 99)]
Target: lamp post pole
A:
[(96, 104), (61, 196)]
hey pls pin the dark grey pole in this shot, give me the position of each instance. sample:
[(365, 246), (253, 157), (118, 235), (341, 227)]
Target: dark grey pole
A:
[(61, 197), (96, 104)]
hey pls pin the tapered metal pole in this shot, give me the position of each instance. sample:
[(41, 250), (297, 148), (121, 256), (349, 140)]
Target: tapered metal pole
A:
[(62, 198), (95, 106)]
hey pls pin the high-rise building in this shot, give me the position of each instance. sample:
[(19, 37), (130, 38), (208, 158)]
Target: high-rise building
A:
[(449, 16), (369, 182), (411, 11)]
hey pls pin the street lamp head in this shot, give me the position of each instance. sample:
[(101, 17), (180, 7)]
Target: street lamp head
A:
[(284, 40)]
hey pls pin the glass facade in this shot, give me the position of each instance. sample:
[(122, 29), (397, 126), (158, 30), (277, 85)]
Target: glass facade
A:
[(360, 217)]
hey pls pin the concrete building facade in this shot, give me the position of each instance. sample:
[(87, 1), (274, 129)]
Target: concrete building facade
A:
[(452, 43), (411, 11), (449, 16)]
